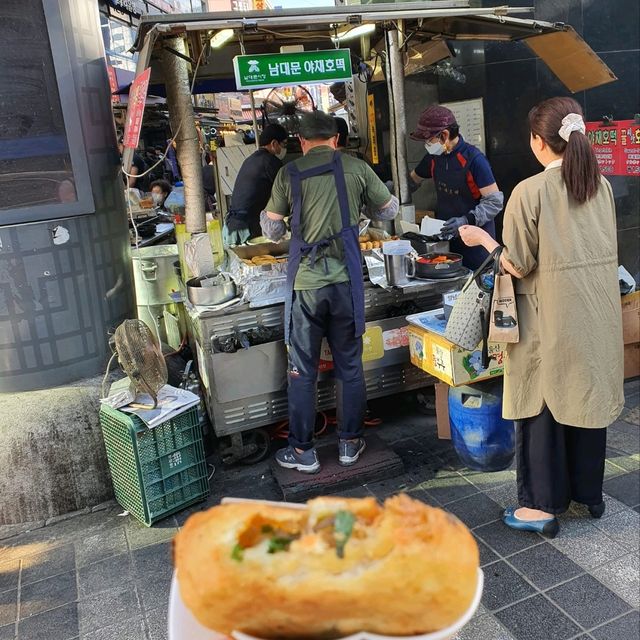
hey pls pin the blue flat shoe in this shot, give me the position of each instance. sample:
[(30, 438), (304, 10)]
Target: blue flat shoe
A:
[(548, 528)]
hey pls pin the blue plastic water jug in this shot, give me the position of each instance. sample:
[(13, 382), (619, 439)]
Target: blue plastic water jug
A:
[(483, 440)]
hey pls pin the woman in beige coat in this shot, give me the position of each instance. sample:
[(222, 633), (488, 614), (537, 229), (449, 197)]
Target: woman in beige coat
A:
[(563, 381)]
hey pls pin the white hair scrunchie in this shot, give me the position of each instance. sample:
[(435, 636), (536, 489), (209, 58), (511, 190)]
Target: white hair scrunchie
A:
[(570, 123)]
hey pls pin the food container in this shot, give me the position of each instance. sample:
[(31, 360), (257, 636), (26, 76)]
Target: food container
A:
[(154, 275), (430, 266), (184, 626), (211, 290)]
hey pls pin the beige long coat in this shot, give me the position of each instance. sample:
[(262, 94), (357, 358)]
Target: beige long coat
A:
[(570, 354)]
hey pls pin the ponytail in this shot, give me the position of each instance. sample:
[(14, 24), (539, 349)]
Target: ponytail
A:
[(580, 170)]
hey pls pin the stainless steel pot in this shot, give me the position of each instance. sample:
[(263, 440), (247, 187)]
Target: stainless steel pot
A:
[(154, 275), (211, 295)]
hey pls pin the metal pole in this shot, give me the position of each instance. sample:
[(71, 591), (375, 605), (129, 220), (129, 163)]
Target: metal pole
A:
[(399, 119), (253, 117), (392, 117)]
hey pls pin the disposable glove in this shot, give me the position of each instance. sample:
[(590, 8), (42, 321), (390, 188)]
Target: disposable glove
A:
[(234, 238), (452, 225)]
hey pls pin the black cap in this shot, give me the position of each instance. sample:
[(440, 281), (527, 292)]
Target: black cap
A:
[(272, 132), (318, 125)]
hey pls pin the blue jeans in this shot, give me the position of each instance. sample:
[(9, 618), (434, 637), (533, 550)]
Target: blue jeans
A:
[(315, 314)]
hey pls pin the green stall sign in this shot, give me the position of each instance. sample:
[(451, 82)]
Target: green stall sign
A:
[(282, 69)]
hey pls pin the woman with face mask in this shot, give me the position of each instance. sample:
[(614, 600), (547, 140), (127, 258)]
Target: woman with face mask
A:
[(466, 190), (160, 190)]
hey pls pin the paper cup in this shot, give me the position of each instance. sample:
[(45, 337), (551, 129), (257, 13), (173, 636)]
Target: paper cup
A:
[(184, 626)]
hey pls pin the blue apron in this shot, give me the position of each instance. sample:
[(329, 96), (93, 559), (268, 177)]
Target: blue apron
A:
[(456, 194), (298, 248)]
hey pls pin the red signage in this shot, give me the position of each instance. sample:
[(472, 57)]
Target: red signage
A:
[(135, 111), (617, 146), (113, 83)]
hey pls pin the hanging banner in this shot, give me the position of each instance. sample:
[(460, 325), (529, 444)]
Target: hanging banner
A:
[(617, 146), (373, 131), (288, 69), (135, 111), (113, 83)]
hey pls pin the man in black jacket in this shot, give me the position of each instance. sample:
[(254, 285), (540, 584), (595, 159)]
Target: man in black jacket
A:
[(252, 189)]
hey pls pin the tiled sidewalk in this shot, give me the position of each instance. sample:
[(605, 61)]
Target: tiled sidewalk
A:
[(100, 576)]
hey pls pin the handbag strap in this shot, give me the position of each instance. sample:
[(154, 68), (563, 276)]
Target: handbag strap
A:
[(494, 257)]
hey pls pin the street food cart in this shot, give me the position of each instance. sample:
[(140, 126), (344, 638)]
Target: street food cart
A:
[(245, 387)]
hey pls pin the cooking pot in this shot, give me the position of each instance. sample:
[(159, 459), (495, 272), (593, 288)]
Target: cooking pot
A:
[(425, 269), (154, 275), (426, 244), (200, 293)]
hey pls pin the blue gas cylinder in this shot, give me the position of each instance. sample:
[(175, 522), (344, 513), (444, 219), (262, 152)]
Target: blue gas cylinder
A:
[(483, 440)]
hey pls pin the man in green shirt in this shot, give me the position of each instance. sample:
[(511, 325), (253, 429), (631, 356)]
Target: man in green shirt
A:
[(323, 194)]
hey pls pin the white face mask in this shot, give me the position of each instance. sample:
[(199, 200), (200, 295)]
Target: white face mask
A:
[(282, 153), (158, 198), (434, 148)]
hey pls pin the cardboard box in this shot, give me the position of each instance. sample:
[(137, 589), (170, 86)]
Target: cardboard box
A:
[(433, 353), (631, 318), (631, 360), (442, 411), (631, 334)]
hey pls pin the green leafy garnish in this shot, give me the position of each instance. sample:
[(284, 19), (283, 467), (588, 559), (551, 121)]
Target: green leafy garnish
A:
[(238, 553), (342, 530), (279, 543)]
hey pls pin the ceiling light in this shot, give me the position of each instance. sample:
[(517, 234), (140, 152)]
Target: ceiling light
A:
[(221, 37), (354, 32)]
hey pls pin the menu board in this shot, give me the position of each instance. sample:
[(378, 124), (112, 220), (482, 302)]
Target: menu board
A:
[(617, 146), (470, 117)]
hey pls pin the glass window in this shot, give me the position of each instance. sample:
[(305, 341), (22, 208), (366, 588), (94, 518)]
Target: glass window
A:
[(118, 39), (35, 163)]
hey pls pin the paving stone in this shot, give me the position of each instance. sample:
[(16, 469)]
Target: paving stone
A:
[(485, 628), (9, 573), (49, 593), (625, 488), (8, 632), (622, 576), (60, 623), (503, 586), (625, 628), (505, 540), (125, 630), (155, 594), (108, 608), (157, 623), (612, 470), (105, 575), (487, 556), (100, 546), (50, 563), (536, 619), (356, 492), (588, 601), (577, 510), (545, 566), (153, 562), (417, 455), (139, 535), (623, 527), (490, 480), (505, 495), (447, 486), (586, 545), (8, 606), (382, 489), (475, 510), (626, 461), (624, 437)]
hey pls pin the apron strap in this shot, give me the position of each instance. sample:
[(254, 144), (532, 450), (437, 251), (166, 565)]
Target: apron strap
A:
[(341, 188)]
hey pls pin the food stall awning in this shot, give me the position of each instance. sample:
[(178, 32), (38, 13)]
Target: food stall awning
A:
[(558, 45)]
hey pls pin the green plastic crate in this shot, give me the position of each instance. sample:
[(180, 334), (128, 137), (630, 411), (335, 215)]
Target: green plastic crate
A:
[(157, 471)]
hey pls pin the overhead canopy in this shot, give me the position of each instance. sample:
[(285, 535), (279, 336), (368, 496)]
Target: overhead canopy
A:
[(567, 55)]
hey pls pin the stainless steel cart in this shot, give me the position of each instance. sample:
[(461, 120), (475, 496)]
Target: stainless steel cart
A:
[(247, 390)]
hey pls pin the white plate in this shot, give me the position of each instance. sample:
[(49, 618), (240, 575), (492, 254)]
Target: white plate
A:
[(183, 626)]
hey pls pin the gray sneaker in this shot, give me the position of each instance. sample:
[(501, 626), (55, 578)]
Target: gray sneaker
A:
[(305, 462), (349, 451)]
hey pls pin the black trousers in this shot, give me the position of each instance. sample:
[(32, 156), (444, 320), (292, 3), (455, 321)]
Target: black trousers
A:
[(558, 464), (315, 314)]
